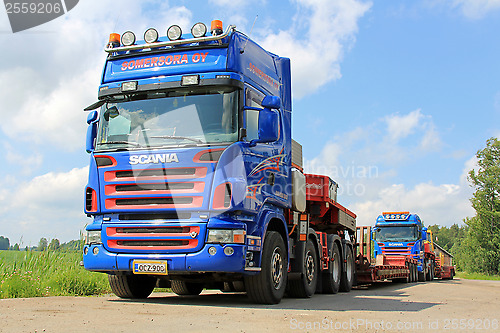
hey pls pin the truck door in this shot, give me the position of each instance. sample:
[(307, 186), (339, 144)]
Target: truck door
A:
[(266, 162)]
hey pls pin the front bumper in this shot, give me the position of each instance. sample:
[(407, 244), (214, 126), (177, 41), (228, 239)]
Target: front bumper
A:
[(97, 258)]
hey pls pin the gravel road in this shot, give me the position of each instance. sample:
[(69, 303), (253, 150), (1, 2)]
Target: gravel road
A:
[(449, 306)]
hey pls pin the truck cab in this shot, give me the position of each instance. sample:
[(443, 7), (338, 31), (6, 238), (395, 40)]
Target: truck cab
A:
[(401, 234)]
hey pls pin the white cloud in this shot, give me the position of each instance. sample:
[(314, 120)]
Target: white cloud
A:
[(50, 205), (316, 41), (48, 87), (476, 9), (400, 127), (443, 204)]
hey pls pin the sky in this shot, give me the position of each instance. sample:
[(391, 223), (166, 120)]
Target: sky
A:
[(391, 99)]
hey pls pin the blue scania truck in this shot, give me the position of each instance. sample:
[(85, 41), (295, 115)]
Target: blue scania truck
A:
[(194, 179), (404, 234)]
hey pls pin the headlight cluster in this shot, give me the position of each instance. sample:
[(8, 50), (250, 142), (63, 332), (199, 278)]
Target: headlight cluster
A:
[(225, 236), (174, 32), (93, 237)]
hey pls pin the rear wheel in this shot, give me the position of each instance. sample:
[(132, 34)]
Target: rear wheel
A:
[(131, 286), (306, 286), (268, 286), (348, 274), (332, 276), (183, 288)]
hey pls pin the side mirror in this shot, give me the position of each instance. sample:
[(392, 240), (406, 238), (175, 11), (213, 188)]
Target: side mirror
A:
[(271, 102), (268, 126), (92, 117), (91, 131)]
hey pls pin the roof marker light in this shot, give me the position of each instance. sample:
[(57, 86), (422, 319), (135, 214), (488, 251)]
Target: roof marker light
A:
[(174, 32), (199, 30), (151, 36), (216, 27), (128, 38)]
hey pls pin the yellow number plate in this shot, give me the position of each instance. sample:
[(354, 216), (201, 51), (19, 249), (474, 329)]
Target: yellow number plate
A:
[(149, 267)]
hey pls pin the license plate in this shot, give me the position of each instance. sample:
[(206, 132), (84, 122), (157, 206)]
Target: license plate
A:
[(149, 267)]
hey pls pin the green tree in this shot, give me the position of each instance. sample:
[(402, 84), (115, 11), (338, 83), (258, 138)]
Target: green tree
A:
[(481, 248), (42, 244), (54, 244), (16, 247), (4, 243)]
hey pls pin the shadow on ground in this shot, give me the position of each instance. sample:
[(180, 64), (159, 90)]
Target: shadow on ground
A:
[(383, 296)]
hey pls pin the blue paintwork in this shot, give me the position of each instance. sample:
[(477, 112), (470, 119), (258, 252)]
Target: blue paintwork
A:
[(416, 250), (246, 166)]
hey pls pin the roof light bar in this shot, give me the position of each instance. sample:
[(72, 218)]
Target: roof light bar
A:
[(171, 42)]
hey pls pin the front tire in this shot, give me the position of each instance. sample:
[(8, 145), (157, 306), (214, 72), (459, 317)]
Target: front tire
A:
[(306, 286), (131, 286), (268, 286)]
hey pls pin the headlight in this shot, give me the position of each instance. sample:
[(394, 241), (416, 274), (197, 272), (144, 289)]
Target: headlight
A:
[(236, 236), (93, 237)]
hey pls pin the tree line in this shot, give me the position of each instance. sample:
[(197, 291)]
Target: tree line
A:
[(476, 245), (43, 245)]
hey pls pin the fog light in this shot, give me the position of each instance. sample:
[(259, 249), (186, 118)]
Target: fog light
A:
[(212, 251), (228, 250), (95, 251), (85, 250)]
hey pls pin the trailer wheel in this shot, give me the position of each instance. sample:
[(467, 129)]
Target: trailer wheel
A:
[(348, 274), (331, 278), (183, 288), (131, 286), (268, 286), (306, 285), (431, 274), (429, 271)]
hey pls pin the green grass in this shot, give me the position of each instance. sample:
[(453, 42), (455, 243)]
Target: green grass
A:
[(477, 276), (47, 273)]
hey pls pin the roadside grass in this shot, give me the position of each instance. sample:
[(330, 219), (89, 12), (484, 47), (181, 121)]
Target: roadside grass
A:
[(477, 276), (47, 273)]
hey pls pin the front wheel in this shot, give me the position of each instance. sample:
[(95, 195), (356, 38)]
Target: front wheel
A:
[(306, 286), (268, 287), (131, 286)]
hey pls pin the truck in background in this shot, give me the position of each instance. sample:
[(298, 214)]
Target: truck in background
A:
[(194, 179), (401, 234)]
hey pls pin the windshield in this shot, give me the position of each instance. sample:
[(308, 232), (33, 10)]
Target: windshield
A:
[(396, 234), (172, 118)]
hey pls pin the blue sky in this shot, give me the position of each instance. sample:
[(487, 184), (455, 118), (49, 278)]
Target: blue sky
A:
[(392, 99)]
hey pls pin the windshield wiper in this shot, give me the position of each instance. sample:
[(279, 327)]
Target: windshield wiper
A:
[(176, 137), (122, 142)]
